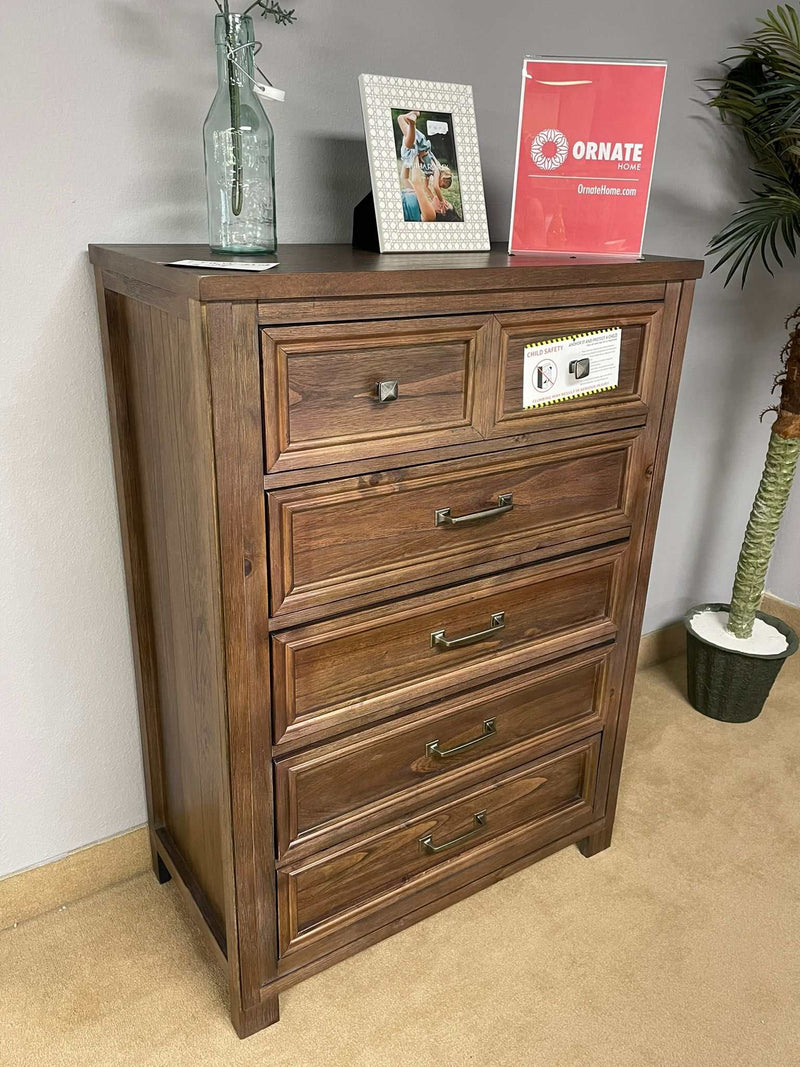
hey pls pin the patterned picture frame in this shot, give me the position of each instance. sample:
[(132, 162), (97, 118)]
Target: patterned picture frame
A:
[(380, 97)]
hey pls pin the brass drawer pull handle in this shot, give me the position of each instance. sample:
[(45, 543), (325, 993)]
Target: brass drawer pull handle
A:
[(385, 391), (442, 516), (427, 845), (432, 747), (498, 622)]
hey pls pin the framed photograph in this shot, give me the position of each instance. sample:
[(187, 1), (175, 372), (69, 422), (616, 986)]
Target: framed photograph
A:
[(424, 164)]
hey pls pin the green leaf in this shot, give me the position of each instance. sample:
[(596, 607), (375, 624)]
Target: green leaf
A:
[(759, 95), (756, 227)]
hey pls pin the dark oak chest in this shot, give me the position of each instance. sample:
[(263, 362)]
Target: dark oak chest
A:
[(385, 618)]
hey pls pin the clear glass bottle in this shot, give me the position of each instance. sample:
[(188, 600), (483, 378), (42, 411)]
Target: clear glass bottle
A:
[(239, 148)]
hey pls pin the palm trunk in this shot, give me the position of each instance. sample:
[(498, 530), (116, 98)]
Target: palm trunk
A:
[(771, 498)]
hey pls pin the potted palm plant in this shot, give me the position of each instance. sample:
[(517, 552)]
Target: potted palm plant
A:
[(734, 652)]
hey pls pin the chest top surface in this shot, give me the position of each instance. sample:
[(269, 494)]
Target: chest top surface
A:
[(313, 270)]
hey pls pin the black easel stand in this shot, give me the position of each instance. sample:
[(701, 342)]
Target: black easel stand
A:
[(365, 228)]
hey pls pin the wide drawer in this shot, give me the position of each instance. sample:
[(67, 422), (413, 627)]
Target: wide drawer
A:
[(352, 391), (345, 538), (326, 793), (327, 896), (336, 675)]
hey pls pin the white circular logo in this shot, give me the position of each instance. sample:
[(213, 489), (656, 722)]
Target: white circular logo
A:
[(549, 149)]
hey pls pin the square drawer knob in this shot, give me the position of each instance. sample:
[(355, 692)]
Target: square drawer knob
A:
[(386, 391)]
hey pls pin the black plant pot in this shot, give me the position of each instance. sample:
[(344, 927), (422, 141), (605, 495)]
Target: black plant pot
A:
[(727, 685)]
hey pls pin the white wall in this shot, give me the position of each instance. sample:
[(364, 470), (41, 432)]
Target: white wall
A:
[(103, 103)]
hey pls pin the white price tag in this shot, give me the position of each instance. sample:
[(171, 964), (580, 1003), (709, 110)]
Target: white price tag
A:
[(566, 367), (215, 264)]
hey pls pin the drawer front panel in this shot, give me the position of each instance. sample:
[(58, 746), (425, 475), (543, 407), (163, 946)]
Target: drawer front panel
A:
[(343, 538), (640, 377), (321, 400), (328, 892), (323, 794), (344, 673)]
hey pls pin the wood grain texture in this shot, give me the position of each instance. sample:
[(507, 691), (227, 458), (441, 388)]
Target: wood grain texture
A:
[(336, 675), (235, 485), (630, 632), (322, 271), (512, 856), (322, 899), (640, 325), (144, 293), (123, 446), (346, 537), (483, 447), (169, 468), (330, 792), (173, 866), (231, 337), (320, 397), (362, 309), (678, 305)]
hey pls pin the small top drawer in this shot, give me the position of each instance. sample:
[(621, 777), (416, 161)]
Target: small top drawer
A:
[(641, 374), (350, 391)]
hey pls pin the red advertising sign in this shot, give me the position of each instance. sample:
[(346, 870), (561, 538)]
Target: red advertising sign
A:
[(585, 150)]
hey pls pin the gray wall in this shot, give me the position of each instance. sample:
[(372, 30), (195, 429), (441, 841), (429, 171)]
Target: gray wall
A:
[(784, 574), (103, 103)]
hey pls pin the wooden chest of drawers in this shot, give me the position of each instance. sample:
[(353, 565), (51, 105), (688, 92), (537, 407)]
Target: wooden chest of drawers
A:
[(384, 618)]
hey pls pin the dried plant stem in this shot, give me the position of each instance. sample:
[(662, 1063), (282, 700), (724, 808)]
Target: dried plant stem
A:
[(236, 117)]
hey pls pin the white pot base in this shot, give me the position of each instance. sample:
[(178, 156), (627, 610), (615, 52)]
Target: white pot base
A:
[(711, 626)]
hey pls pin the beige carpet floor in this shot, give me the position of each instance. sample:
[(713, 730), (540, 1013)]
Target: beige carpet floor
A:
[(678, 945)]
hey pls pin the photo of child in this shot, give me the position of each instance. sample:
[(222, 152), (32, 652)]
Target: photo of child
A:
[(427, 167)]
